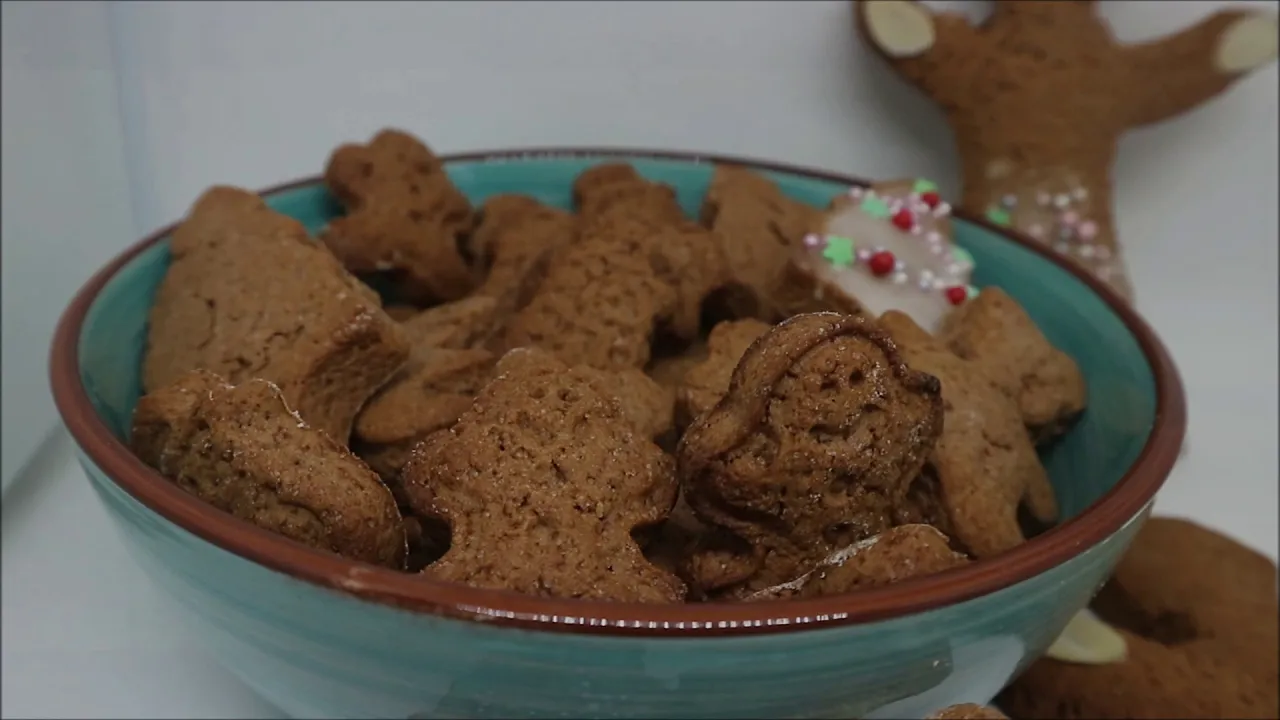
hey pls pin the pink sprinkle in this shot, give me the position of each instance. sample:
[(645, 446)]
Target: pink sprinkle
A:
[(1036, 230), (855, 192), (812, 241), (934, 237), (1087, 230), (1069, 218)]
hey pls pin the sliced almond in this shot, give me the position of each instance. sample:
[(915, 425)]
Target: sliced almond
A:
[(1087, 640)]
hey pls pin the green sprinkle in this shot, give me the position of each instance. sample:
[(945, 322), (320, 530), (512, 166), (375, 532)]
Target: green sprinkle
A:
[(875, 207), (924, 186), (962, 256), (839, 251), (998, 215), (971, 291)]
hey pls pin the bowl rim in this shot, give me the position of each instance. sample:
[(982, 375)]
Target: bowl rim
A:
[(1099, 521)]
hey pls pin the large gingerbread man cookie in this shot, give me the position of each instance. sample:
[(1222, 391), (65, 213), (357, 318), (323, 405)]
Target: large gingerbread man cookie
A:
[(1040, 92)]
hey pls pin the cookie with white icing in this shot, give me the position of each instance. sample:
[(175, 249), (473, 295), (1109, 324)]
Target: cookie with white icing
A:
[(889, 247)]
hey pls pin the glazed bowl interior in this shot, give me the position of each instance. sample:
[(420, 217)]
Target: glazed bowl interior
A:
[(1104, 472)]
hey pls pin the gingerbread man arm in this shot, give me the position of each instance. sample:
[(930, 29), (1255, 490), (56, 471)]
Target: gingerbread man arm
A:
[(917, 41), (1176, 73)]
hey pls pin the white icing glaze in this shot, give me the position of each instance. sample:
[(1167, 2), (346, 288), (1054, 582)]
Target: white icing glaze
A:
[(927, 261)]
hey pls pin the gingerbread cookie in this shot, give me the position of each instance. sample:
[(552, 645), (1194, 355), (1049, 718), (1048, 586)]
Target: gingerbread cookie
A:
[(704, 384), (542, 483), (226, 305), (706, 557), (1039, 94), (761, 227), (968, 711), (1199, 614), (924, 504), (645, 403), (401, 312), (244, 451), (428, 396), (888, 247), (597, 306), (669, 370), (404, 217), (993, 330), (984, 461), (461, 324), (617, 189), (821, 431), (686, 257), (894, 555), (511, 245)]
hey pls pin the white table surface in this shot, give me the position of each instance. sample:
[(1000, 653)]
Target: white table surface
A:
[(125, 653)]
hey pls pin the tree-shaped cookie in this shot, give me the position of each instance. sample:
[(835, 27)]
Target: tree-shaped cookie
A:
[(1039, 94)]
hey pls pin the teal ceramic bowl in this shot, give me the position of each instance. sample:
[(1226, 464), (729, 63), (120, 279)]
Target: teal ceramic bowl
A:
[(320, 636)]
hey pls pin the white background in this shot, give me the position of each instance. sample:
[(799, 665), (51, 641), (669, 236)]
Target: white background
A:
[(167, 98)]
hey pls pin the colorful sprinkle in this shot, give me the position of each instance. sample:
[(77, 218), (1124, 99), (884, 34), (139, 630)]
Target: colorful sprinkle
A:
[(813, 241), (882, 263), (1009, 201), (839, 251), (904, 220), (1088, 230), (999, 216), (962, 256), (923, 186), (875, 207), (1036, 230), (1070, 217), (957, 294)]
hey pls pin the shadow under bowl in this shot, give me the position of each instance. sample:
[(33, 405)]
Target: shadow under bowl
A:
[(321, 636)]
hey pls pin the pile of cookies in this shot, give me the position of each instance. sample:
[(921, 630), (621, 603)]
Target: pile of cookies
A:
[(619, 403), (623, 403)]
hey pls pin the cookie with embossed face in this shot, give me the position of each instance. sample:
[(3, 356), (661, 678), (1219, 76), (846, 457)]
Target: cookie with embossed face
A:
[(821, 431), (542, 483), (984, 462), (889, 247)]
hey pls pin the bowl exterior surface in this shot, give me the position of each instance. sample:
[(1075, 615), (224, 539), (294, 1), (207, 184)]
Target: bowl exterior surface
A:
[(316, 652)]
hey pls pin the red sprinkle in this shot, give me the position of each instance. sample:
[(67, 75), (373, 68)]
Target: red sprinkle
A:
[(904, 220), (931, 199), (882, 263), (957, 295)]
